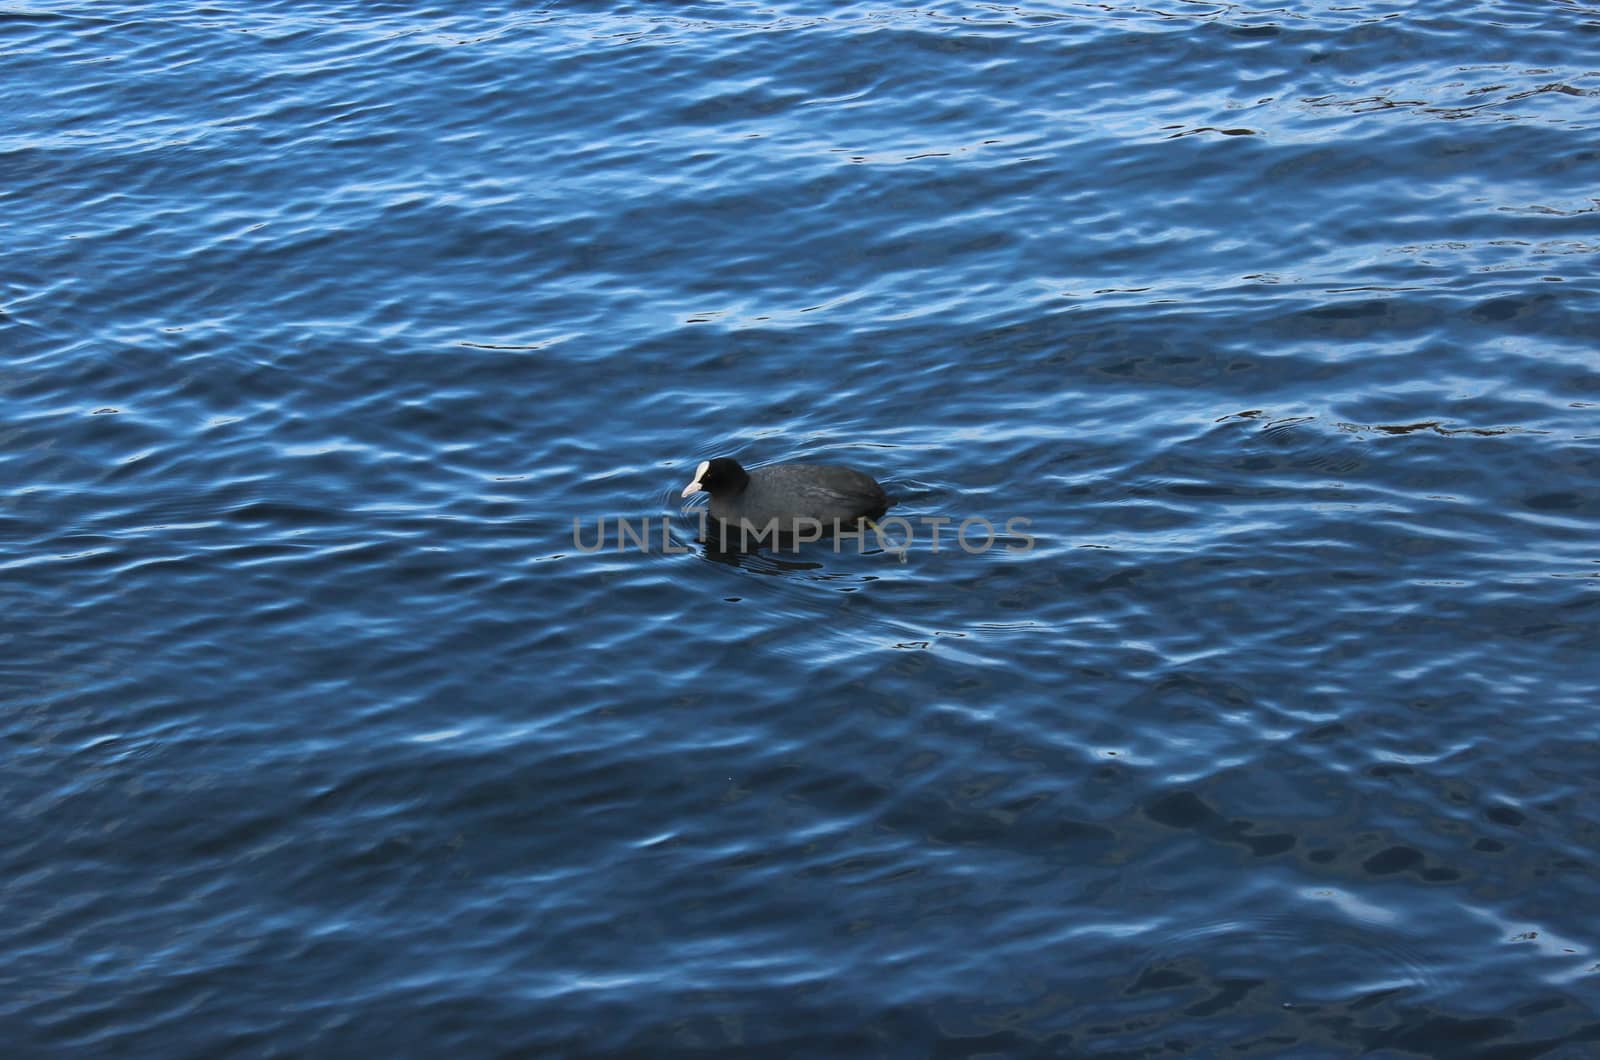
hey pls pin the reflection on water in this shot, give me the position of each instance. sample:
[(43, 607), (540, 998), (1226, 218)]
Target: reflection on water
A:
[(1268, 729)]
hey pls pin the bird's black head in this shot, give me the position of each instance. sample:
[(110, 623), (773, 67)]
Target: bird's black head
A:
[(720, 476)]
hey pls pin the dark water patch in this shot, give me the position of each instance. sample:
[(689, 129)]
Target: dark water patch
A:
[(328, 737)]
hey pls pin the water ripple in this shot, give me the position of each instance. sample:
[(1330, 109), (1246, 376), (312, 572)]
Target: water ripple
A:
[(329, 340)]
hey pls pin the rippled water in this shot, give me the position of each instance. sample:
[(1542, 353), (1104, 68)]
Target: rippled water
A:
[(323, 323)]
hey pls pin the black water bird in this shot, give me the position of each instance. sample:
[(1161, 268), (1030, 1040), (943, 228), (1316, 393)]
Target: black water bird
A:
[(789, 498)]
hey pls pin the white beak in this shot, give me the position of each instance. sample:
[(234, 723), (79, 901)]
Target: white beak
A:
[(699, 474)]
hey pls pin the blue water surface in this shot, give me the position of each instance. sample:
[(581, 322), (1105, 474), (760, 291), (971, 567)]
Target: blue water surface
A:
[(1273, 730)]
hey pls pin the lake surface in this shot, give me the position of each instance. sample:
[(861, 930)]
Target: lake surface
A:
[(1273, 730)]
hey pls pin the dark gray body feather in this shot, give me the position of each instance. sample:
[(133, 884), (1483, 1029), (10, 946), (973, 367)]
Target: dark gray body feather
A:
[(793, 493)]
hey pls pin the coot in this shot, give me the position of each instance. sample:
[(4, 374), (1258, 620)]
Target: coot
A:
[(796, 498)]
